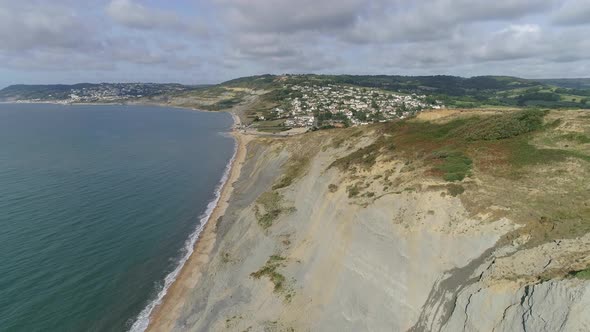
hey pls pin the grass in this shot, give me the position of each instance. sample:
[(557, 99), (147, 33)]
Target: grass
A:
[(583, 274), (271, 203), (503, 126), (269, 270), (363, 158), (575, 137), (454, 165), (522, 153), (295, 167), (518, 159)]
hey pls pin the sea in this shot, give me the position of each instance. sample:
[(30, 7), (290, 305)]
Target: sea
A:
[(100, 206)]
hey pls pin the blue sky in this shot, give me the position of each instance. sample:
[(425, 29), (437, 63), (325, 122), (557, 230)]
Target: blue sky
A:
[(190, 41)]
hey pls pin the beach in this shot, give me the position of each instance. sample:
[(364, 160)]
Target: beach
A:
[(164, 314)]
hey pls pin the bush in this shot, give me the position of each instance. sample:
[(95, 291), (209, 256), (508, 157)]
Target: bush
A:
[(332, 188), (455, 189), (455, 165), (271, 203), (583, 274), (270, 270), (503, 126)]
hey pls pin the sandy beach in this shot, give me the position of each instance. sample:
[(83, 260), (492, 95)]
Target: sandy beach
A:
[(165, 314)]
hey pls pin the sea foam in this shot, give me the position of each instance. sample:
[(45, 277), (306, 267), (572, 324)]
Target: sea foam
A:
[(142, 321)]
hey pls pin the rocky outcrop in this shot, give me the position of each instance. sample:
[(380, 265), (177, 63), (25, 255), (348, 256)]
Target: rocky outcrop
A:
[(556, 305)]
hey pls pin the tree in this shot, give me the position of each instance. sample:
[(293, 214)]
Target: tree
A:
[(374, 104)]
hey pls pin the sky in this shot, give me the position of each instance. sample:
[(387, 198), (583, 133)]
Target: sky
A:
[(197, 41)]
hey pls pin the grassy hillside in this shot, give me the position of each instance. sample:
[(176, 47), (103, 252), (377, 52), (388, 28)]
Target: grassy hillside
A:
[(528, 162), (480, 91)]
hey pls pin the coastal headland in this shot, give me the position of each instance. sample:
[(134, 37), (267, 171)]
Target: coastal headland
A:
[(422, 224)]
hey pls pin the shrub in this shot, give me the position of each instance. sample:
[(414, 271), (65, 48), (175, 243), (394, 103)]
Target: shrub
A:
[(455, 189), (503, 126), (583, 274), (270, 270), (271, 203), (353, 191), (455, 165), (332, 188)]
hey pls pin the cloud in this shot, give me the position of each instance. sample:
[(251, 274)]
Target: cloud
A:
[(513, 42), (573, 12), (223, 39), (28, 25), (280, 16), (137, 16), (436, 19)]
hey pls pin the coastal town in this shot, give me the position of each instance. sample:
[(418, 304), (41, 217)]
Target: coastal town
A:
[(316, 106), (90, 93)]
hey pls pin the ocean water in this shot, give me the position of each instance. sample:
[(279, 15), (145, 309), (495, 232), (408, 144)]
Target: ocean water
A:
[(97, 204)]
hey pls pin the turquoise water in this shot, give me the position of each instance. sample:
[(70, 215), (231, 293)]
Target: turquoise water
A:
[(96, 203)]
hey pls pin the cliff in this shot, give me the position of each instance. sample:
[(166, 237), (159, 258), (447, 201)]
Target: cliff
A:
[(455, 221)]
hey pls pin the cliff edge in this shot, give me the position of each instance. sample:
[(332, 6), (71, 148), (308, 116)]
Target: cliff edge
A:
[(452, 221)]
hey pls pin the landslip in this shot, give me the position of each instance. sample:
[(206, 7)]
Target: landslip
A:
[(453, 221)]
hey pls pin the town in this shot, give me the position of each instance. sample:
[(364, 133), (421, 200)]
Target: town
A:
[(91, 93), (342, 106)]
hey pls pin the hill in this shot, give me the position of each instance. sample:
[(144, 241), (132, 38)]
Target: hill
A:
[(88, 92), (259, 95), (569, 83)]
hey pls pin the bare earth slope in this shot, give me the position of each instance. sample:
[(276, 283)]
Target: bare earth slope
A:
[(388, 229)]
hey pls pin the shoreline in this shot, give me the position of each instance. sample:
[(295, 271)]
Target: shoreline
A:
[(164, 311)]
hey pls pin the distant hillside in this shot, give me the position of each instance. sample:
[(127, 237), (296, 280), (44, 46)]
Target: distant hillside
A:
[(454, 91), (569, 83), (88, 92), (451, 85), (274, 90)]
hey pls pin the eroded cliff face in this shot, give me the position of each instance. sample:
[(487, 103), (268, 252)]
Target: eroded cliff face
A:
[(307, 246), (556, 305)]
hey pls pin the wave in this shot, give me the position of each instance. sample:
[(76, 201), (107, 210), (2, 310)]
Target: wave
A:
[(142, 321)]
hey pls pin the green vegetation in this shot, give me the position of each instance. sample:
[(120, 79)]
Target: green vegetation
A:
[(575, 137), (272, 209), (455, 190), (502, 126), (295, 167), (450, 148), (353, 190), (523, 153), (453, 91), (454, 165), (222, 104), (363, 158), (583, 274), (332, 188), (269, 270)]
